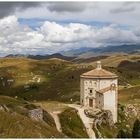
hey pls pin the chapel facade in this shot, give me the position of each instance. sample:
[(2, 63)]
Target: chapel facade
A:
[(99, 89)]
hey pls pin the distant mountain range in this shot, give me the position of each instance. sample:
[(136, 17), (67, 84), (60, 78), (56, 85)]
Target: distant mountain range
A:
[(103, 50), (85, 52), (43, 57)]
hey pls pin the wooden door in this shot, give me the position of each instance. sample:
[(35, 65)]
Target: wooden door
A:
[(90, 102)]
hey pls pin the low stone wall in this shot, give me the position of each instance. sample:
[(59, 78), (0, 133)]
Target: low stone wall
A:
[(36, 114)]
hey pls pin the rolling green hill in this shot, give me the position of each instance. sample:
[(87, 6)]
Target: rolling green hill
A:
[(14, 122), (72, 124), (56, 79), (112, 60), (53, 79), (42, 81)]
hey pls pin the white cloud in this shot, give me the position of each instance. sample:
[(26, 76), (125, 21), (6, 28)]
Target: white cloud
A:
[(52, 37), (57, 33), (115, 35), (126, 13), (15, 37)]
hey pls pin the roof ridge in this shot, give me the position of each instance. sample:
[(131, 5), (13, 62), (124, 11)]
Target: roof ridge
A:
[(99, 73), (104, 89)]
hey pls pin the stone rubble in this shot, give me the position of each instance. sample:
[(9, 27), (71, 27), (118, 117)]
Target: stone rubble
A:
[(131, 109)]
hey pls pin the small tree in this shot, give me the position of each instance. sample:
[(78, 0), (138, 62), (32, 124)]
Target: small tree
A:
[(136, 129), (123, 134)]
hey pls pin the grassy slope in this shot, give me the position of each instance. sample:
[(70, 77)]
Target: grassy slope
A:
[(72, 125), (18, 126), (130, 95), (59, 79), (51, 106), (15, 124), (110, 61)]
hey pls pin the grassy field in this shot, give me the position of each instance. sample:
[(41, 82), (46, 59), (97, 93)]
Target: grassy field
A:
[(59, 80), (15, 123), (72, 125), (129, 95), (18, 126), (115, 59), (52, 106), (58, 83)]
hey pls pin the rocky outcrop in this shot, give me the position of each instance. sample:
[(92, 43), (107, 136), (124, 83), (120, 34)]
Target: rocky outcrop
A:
[(130, 109), (107, 117), (36, 114), (100, 117), (29, 110), (4, 108), (92, 113)]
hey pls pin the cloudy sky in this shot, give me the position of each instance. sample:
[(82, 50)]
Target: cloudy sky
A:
[(49, 27)]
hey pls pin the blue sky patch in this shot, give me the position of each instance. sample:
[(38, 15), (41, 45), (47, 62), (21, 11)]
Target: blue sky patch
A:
[(35, 23)]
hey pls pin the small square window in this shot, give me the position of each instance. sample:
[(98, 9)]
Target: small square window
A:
[(90, 90)]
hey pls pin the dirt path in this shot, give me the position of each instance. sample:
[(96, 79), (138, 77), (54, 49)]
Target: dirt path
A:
[(56, 119), (86, 121)]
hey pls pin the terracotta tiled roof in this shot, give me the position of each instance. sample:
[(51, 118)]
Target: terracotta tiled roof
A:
[(104, 90), (99, 73)]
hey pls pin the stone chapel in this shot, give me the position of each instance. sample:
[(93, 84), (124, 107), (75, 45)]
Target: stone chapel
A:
[(99, 89)]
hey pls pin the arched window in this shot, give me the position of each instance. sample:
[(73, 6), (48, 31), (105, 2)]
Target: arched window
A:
[(90, 90)]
